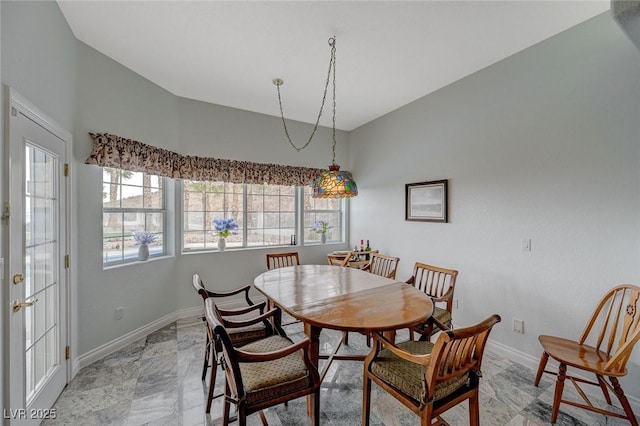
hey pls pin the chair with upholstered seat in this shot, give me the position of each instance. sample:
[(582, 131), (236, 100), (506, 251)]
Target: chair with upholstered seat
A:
[(281, 260), (603, 350), (240, 334), (439, 284), (429, 378), (265, 372)]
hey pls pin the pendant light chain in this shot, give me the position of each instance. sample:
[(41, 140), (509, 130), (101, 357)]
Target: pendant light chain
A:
[(332, 42), (332, 67)]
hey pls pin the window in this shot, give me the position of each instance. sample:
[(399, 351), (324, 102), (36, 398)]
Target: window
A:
[(132, 202), (327, 209), (266, 214)]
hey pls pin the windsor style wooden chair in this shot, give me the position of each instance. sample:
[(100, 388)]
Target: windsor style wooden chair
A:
[(603, 350)]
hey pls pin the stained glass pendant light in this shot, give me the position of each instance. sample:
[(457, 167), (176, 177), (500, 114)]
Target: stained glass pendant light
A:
[(332, 183)]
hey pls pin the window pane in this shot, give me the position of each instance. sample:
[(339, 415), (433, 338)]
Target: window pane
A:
[(325, 209), (193, 221), (127, 200), (131, 196)]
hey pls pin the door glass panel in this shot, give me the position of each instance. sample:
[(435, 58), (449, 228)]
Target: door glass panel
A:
[(41, 266)]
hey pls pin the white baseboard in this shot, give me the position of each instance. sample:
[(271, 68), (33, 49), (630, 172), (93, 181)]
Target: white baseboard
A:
[(122, 341), (532, 363)]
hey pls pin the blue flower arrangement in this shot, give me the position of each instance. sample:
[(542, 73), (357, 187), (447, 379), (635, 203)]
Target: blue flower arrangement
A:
[(144, 237), (224, 227), (321, 227)]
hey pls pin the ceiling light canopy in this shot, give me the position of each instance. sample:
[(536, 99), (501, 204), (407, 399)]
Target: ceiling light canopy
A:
[(332, 183)]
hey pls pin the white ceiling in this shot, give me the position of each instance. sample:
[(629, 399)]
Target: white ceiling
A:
[(389, 53)]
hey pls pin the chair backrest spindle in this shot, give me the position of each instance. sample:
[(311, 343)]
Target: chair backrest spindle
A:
[(281, 260)]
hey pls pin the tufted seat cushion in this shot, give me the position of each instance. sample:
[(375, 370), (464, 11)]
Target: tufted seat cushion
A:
[(409, 377), (266, 380), (441, 315), (240, 336)]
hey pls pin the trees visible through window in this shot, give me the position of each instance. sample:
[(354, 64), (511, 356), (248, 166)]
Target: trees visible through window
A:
[(132, 202), (266, 214)]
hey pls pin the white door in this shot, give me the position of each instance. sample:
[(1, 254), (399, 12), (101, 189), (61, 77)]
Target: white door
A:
[(38, 278)]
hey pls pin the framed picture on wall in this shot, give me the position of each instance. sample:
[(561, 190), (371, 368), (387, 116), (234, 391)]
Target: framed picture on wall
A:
[(426, 201)]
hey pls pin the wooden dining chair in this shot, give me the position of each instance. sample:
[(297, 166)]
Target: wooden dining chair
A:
[(240, 334), (265, 372), (603, 349), (429, 378), (439, 284), (280, 260), (383, 265)]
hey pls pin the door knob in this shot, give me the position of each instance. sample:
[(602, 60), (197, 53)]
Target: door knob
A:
[(17, 305), (18, 278)]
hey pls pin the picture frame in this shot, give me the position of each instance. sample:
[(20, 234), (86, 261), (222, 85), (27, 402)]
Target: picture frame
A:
[(426, 201)]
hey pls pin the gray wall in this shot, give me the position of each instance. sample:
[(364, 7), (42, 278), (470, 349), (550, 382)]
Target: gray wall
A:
[(543, 145), (39, 61)]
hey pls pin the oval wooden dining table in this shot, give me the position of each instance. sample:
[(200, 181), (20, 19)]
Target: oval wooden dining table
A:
[(346, 299)]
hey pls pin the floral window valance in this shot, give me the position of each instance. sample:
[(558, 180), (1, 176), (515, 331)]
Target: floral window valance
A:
[(118, 152)]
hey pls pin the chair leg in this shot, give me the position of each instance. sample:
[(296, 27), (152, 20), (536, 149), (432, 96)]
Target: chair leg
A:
[(474, 409), (212, 382), (263, 418), (226, 408), (543, 363), (316, 408), (426, 419), (624, 401), (605, 390), (207, 353), (557, 396), (366, 400), (242, 417)]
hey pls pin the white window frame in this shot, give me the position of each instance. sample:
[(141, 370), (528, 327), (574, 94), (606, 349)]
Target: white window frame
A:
[(154, 253)]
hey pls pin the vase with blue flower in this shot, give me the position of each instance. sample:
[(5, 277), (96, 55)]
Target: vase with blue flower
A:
[(143, 239), (321, 227), (224, 228)]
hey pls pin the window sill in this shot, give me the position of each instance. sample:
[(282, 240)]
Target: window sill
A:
[(137, 262)]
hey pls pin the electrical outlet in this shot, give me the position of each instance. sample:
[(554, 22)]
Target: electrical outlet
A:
[(518, 326), (119, 313), (455, 304)]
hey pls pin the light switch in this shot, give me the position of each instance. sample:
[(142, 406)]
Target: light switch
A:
[(526, 244)]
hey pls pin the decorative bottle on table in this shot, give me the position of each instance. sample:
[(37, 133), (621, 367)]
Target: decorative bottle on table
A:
[(367, 249)]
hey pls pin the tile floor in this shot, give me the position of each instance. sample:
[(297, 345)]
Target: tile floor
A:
[(156, 381)]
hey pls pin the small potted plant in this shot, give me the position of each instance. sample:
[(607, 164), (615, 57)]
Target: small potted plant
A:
[(223, 229), (321, 227), (143, 239)]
